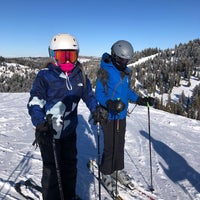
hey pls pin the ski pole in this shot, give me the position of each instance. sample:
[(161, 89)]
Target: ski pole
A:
[(99, 158), (49, 121), (117, 132), (98, 146), (151, 186), (119, 108)]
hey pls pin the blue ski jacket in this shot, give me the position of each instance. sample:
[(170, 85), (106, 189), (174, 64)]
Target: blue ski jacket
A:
[(55, 93), (113, 84)]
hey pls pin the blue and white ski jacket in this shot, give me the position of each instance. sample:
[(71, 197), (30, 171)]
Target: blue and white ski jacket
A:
[(112, 85), (55, 93)]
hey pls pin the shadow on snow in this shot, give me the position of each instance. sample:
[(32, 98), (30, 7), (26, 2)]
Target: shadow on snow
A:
[(87, 149), (20, 170), (178, 169)]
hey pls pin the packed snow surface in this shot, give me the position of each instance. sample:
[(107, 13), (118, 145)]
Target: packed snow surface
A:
[(174, 149)]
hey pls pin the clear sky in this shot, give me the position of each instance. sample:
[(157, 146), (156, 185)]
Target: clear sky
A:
[(27, 26)]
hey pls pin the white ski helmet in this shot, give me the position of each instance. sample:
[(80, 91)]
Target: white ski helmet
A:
[(63, 42)]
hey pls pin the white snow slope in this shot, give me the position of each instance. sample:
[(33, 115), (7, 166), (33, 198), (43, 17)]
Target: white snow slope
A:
[(175, 151)]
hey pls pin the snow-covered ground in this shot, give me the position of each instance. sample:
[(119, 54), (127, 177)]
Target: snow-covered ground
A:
[(175, 151)]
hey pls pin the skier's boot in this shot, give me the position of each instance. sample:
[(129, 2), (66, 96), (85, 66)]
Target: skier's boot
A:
[(123, 178), (109, 183)]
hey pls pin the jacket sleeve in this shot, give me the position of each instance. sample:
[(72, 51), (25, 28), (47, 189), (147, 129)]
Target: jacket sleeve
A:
[(88, 96), (37, 100), (101, 96), (132, 96)]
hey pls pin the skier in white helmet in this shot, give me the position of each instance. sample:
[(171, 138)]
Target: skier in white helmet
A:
[(56, 92)]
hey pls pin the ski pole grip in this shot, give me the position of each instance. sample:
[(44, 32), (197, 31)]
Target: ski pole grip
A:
[(50, 125), (49, 119)]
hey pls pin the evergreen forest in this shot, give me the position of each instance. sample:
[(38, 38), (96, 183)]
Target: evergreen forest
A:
[(156, 76)]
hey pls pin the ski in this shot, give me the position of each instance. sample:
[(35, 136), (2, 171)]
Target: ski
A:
[(145, 192), (32, 184), (29, 184), (133, 188), (92, 166)]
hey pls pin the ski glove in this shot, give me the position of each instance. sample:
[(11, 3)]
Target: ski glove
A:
[(100, 114), (44, 134), (144, 100), (43, 127), (115, 105)]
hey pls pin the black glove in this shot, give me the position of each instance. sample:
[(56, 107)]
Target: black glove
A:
[(43, 127), (44, 134), (115, 105), (143, 101), (99, 115)]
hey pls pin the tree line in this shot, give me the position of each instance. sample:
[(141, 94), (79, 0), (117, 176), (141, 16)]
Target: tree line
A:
[(156, 76)]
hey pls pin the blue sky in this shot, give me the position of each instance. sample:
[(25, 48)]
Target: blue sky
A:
[(27, 26)]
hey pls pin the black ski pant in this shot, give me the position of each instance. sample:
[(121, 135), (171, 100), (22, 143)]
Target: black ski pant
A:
[(67, 158), (114, 140)]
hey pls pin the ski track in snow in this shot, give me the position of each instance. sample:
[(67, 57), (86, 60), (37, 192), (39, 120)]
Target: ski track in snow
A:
[(174, 146)]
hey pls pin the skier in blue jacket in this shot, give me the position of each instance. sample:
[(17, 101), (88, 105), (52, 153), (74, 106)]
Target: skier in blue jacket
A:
[(56, 92), (113, 93)]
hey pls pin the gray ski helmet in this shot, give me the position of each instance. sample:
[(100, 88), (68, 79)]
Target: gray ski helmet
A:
[(122, 49)]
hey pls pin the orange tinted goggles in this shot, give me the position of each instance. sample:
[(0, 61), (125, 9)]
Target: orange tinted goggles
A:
[(66, 55)]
